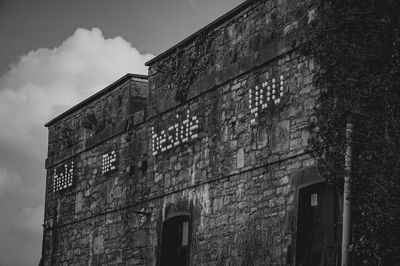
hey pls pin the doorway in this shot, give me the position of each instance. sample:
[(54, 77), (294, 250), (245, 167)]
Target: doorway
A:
[(316, 242), (175, 241)]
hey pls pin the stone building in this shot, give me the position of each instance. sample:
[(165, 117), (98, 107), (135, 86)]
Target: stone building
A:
[(202, 162)]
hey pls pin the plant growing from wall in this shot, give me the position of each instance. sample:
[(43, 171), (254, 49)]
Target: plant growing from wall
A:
[(90, 122), (356, 45), (190, 64), (256, 244), (65, 137), (95, 123), (187, 65)]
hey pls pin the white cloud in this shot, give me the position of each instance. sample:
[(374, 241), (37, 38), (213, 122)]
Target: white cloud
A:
[(48, 78), (40, 85)]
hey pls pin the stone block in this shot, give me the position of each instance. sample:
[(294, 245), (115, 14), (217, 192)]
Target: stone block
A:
[(281, 136), (98, 245), (240, 158), (78, 202)]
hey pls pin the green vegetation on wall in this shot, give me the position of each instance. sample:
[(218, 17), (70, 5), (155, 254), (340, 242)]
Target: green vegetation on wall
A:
[(356, 45)]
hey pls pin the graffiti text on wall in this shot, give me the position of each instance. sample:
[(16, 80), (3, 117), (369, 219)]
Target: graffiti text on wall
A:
[(184, 129), (268, 94), (109, 162), (63, 177)]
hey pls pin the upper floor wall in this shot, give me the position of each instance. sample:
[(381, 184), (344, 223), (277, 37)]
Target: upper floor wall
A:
[(248, 36), (92, 126), (233, 96), (78, 128)]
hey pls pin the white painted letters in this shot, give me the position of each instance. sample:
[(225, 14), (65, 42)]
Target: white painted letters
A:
[(183, 130)]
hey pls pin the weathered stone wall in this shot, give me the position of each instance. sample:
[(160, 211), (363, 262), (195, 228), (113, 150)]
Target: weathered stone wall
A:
[(238, 172), (77, 229), (240, 159), (108, 110), (226, 155), (230, 46)]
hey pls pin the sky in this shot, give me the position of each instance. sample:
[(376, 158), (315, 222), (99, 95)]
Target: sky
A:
[(53, 55)]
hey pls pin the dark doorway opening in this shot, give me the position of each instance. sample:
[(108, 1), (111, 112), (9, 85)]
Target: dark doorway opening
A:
[(175, 241), (317, 241)]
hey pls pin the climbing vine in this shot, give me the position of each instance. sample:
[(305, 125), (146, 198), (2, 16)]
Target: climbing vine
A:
[(356, 45), (65, 137), (95, 123), (90, 122), (188, 65)]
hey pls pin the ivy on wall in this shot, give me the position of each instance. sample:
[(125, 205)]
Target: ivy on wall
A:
[(95, 123), (188, 65), (356, 45), (90, 122), (65, 137)]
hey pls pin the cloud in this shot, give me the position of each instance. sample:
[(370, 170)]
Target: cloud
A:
[(193, 3), (26, 225), (39, 86), (8, 180), (190, 3)]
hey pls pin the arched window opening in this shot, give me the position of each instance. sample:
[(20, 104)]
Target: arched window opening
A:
[(175, 241)]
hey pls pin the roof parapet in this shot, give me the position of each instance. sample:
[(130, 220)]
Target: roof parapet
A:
[(215, 23), (129, 76)]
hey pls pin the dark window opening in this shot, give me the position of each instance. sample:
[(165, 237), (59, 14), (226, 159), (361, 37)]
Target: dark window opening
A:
[(317, 241), (143, 167), (175, 242)]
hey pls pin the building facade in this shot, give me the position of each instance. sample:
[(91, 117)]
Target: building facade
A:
[(202, 162)]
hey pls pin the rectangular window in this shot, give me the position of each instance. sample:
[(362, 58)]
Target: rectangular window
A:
[(185, 233)]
